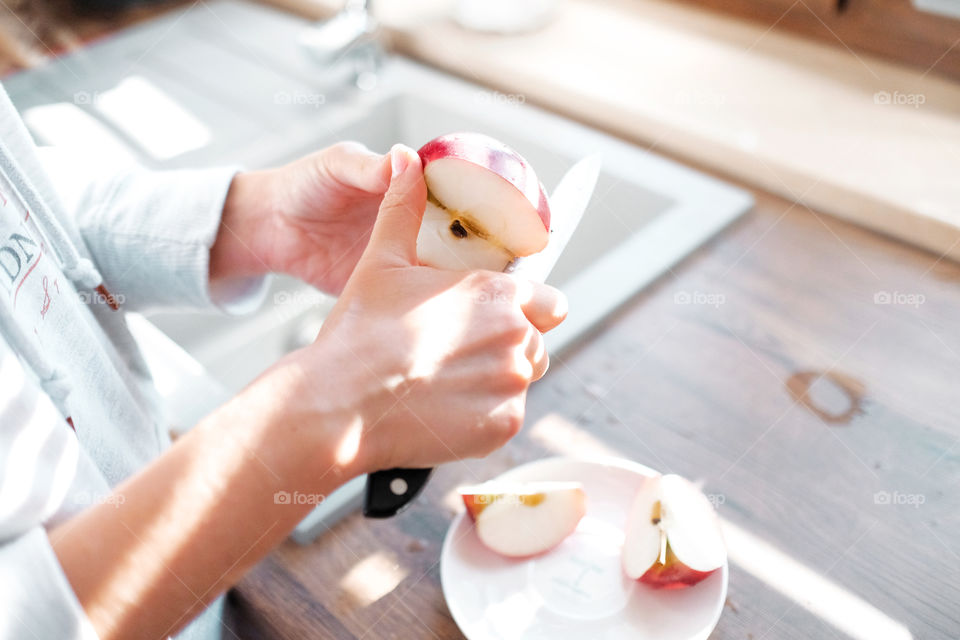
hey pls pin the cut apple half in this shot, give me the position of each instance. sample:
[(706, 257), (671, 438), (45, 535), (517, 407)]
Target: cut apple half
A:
[(673, 537), (524, 519), (485, 205)]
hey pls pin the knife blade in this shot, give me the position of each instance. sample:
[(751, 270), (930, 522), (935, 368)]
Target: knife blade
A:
[(390, 491), (568, 202)]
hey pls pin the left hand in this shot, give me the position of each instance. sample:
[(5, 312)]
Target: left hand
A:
[(310, 219)]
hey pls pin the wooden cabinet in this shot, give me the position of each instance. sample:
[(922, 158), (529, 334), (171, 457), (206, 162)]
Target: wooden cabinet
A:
[(893, 29)]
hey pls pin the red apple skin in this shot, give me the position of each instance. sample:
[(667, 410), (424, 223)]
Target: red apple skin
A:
[(679, 576), (672, 574), (492, 154), (475, 504)]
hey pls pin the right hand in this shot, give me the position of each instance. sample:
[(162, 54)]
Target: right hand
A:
[(427, 365)]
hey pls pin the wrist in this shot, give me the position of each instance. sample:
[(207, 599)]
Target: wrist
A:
[(240, 248), (318, 428), (346, 382)]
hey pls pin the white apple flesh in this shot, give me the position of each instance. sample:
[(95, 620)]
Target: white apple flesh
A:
[(485, 205), (526, 519), (673, 538)]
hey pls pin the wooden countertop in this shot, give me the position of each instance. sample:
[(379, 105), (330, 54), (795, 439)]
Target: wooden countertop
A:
[(831, 478)]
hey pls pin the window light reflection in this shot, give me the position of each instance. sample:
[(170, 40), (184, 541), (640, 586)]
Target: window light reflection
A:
[(372, 578), (66, 125), (159, 124)]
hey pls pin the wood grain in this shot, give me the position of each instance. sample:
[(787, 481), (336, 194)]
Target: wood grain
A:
[(703, 391), (893, 29)]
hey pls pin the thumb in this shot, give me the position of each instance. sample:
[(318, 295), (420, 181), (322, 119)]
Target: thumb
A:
[(398, 223)]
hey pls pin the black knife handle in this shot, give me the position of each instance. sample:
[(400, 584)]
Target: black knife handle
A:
[(391, 491)]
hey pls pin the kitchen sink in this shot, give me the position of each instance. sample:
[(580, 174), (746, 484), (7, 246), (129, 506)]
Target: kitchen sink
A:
[(226, 83)]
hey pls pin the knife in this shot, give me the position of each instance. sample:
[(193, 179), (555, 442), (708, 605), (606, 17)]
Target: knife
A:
[(390, 491)]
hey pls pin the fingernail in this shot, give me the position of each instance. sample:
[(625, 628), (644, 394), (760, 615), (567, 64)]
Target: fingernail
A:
[(399, 160)]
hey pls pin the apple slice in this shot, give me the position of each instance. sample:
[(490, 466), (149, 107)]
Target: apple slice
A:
[(524, 519), (673, 537), (485, 205)]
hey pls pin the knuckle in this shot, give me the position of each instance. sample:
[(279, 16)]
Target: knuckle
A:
[(541, 367), (494, 287), (515, 328), (479, 279), (515, 381), (513, 422), (502, 431), (514, 324), (347, 146)]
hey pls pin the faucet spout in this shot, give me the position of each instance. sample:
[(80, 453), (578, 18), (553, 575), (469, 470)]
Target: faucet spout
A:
[(349, 36)]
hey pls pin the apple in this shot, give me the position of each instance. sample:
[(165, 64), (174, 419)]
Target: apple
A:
[(518, 520), (485, 206), (672, 537)]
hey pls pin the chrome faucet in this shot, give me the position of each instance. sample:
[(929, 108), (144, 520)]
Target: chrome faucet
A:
[(350, 37)]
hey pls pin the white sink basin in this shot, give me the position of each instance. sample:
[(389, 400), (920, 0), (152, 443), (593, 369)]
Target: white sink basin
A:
[(236, 82), (237, 72)]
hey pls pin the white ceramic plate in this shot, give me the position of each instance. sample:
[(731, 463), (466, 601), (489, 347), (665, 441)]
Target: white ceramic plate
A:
[(577, 590)]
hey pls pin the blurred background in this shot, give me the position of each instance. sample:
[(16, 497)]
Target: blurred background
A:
[(911, 31)]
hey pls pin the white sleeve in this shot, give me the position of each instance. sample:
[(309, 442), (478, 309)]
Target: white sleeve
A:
[(40, 469), (38, 601), (150, 232)]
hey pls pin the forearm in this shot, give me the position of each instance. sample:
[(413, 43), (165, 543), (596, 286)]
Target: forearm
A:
[(190, 524)]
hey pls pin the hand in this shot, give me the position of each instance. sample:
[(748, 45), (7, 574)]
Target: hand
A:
[(310, 219), (425, 365)]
